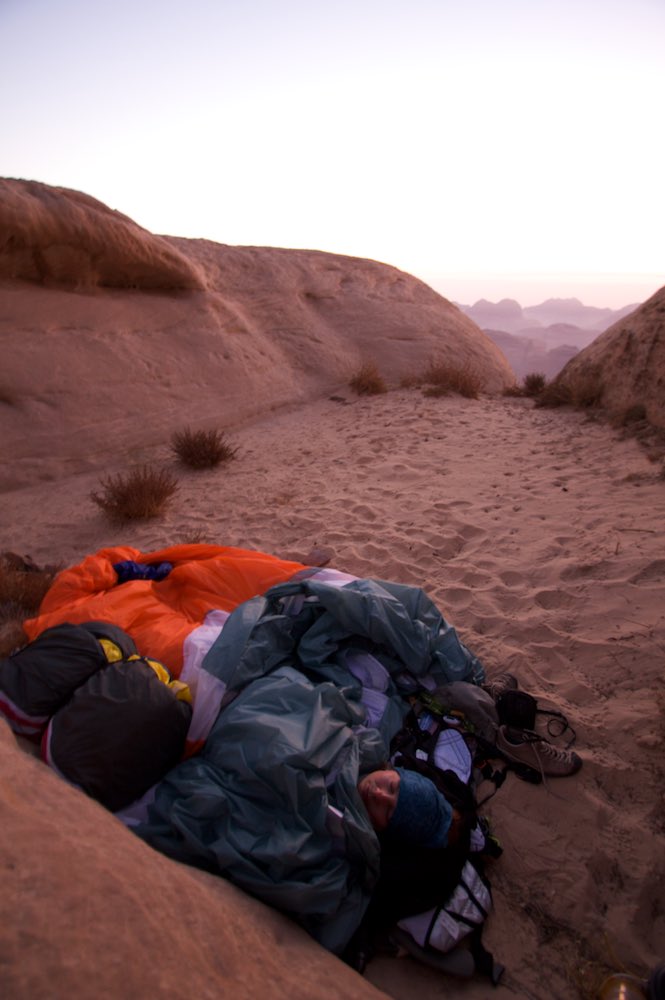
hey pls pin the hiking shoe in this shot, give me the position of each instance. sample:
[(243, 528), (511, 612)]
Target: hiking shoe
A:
[(526, 747), (499, 683)]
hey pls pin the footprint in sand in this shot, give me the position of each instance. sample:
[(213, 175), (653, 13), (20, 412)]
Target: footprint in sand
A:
[(364, 512), (458, 597), (654, 572), (552, 599)]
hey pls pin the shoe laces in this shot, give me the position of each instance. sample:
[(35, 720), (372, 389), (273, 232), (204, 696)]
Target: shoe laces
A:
[(545, 747)]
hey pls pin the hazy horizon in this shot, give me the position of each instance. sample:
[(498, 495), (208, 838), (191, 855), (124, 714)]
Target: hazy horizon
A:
[(601, 291)]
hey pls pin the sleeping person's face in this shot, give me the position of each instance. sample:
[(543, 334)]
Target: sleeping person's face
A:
[(379, 791)]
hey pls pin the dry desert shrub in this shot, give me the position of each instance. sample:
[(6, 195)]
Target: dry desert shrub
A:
[(22, 583), (586, 389), (368, 381), (634, 422), (136, 495), (434, 391), (195, 536), (202, 449), (22, 588), (411, 381), (441, 378), (555, 394), (583, 390), (534, 383)]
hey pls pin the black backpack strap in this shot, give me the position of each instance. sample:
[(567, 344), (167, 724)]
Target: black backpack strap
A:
[(470, 955), (483, 959), (414, 741)]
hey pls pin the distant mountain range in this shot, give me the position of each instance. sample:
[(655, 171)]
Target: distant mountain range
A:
[(509, 315), (542, 338)]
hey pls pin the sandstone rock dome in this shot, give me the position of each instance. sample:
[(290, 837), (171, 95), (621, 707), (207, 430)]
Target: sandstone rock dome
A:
[(53, 235), (106, 325), (89, 910), (628, 361)]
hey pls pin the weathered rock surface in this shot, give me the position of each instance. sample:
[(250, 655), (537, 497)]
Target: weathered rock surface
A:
[(113, 338), (628, 361), (53, 235), (89, 910)]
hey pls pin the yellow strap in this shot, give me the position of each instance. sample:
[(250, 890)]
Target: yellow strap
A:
[(179, 688), (112, 651)]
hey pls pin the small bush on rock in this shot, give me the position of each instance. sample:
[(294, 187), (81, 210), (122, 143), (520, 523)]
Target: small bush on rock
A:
[(442, 378), (587, 390), (582, 390), (555, 394), (534, 383), (411, 381), (23, 585), (137, 495), (202, 449), (368, 381)]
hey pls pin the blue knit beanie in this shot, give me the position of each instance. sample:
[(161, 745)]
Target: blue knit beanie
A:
[(422, 815)]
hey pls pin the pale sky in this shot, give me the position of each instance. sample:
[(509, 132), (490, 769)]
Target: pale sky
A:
[(493, 148)]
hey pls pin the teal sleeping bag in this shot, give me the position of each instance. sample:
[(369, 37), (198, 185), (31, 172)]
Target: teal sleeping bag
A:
[(271, 801)]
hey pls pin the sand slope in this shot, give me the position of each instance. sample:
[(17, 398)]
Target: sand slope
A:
[(541, 535)]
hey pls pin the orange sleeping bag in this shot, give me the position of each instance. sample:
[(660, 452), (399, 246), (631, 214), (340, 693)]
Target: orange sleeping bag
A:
[(159, 615)]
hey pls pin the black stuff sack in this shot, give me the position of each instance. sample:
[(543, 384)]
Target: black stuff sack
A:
[(119, 734), (40, 678), (517, 709)]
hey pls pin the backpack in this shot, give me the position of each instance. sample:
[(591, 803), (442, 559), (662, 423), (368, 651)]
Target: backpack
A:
[(471, 711), (448, 934), (433, 902), (435, 937)]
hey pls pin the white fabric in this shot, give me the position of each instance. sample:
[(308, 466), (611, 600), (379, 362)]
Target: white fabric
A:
[(333, 577), (368, 670), (452, 754), (374, 679), (207, 691), (375, 703), (447, 931)]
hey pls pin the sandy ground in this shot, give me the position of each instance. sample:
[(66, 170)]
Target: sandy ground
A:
[(541, 535)]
